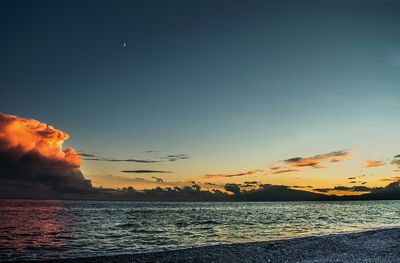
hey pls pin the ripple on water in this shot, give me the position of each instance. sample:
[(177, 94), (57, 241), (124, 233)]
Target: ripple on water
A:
[(40, 229)]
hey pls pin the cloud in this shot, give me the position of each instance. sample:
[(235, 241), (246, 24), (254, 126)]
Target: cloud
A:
[(158, 180), (396, 162), (170, 158), (251, 183), (358, 188), (265, 192), (88, 155), (175, 157), (208, 183), (372, 163), (286, 171), (121, 160), (394, 178), (234, 188), (145, 171), (315, 161), (301, 186), (210, 176), (32, 158), (322, 190)]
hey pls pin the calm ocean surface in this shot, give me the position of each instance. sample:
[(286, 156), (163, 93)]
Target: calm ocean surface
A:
[(36, 229)]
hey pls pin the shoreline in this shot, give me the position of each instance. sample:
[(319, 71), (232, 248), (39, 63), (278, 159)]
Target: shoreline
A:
[(379, 245)]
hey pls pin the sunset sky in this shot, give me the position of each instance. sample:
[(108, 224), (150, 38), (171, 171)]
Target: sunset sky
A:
[(273, 92)]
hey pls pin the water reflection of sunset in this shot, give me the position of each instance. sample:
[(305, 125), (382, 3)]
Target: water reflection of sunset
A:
[(33, 225)]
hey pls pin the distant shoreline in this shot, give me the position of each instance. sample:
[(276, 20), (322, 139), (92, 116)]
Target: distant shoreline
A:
[(382, 245), (195, 201)]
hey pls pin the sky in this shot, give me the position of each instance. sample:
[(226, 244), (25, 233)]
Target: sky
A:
[(166, 93)]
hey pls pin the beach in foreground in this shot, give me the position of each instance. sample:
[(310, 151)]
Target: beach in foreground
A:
[(369, 246)]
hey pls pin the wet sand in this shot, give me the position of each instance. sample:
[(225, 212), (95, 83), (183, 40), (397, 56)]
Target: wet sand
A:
[(370, 246)]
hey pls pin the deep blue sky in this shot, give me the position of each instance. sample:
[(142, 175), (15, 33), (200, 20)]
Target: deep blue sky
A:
[(234, 84)]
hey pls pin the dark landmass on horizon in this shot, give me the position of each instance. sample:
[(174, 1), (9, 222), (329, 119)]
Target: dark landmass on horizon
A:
[(265, 192)]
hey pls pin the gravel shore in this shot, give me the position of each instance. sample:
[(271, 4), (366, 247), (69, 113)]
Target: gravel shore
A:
[(370, 246)]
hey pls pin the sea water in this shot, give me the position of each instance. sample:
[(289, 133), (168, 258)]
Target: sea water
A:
[(44, 229)]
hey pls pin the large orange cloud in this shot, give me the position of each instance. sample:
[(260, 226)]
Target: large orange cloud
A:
[(31, 154), (32, 136)]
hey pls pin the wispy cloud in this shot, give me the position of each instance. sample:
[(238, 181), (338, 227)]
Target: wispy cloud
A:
[(121, 160), (285, 171), (293, 164), (210, 176), (315, 161), (167, 158), (358, 188), (372, 163), (396, 162), (251, 183), (88, 155), (301, 186), (175, 157), (157, 179), (391, 179), (144, 171), (322, 190)]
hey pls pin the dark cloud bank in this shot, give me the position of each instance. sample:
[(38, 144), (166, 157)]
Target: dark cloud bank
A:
[(235, 192)]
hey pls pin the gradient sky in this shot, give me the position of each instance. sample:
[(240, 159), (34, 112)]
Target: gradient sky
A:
[(235, 85)]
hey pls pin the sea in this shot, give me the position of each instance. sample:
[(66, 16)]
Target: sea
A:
[(47, 229)]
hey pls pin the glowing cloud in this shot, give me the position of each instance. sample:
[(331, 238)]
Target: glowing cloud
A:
[(31, 136), (315, 161), (31, 153), (373, 163)]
